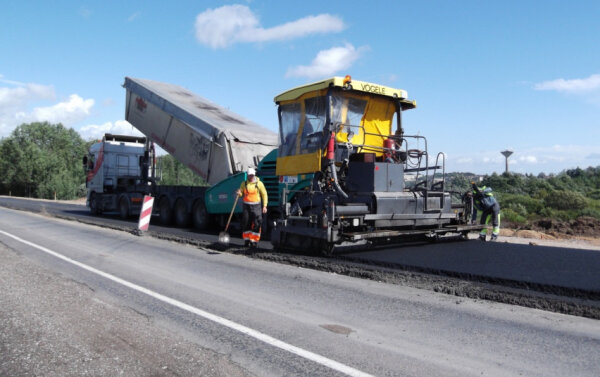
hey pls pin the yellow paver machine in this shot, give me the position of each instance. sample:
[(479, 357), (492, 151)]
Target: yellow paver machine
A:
[(371, 183)]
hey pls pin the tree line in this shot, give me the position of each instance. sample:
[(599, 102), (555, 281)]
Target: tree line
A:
[(525, 197), (43, 160)]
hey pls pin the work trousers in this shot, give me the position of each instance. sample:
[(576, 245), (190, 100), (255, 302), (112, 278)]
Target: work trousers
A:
[(251, 222), (494, 213)]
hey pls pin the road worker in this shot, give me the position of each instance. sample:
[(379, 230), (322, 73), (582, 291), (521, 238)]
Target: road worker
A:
[(255, 199), (484, 201)]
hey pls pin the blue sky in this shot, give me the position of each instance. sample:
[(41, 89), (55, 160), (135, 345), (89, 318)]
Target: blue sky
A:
[(486, 75)]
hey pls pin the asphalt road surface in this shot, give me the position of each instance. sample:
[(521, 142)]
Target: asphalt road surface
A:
[(124, 304), (79, 212), (546, 266), (563, 267)]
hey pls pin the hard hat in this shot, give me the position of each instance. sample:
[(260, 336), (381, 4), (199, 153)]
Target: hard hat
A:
[(251, 171)]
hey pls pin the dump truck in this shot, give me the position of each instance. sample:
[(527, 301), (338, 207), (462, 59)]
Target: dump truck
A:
[(371, 184), (215, 143)]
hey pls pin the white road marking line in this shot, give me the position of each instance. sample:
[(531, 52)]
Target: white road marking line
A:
[(212, 317)]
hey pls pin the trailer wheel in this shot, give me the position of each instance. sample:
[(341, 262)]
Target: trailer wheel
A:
[(200, 216), (123, 208), (166, 213), (94, 205), (182, 216)]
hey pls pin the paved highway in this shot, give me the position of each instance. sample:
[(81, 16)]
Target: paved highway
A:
[(546, 266), (270, 319), (542, 265)]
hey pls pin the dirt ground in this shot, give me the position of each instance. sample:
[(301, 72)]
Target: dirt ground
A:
[(583, 231), (580, 227)]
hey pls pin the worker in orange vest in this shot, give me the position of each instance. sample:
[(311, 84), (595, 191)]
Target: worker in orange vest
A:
[(254, 195)]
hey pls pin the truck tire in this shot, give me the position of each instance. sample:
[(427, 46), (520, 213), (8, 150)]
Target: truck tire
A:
[(182, 216), (124, 208), (94, 204), (166, 212), (200, 216)]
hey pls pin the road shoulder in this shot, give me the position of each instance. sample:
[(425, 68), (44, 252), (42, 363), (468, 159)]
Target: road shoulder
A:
[(53, 326)]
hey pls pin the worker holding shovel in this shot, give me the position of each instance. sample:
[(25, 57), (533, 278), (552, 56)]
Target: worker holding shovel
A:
[(254, 195)]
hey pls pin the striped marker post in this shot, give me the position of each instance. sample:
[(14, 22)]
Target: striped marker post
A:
[(146, 213)]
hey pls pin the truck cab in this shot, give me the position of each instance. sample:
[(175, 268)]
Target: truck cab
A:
[(118, 174)]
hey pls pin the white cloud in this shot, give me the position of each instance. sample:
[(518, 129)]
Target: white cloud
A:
[(5, 129), (18, 100), (85, 12), (67, 113), (536, 160), (15, 99), (11, 82), (120, 127), (464, 160), (529, 159), (328, 62), (572, 86), (229, 24), (134, 16), (323, 23), (24, 93)]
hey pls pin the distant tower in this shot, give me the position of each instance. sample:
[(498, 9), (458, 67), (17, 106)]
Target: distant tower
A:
[(506, 155)]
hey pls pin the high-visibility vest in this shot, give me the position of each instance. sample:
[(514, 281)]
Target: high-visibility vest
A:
[(253, 192), (484, 197)]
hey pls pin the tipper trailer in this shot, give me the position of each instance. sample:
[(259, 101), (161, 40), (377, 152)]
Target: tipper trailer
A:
[(215, 143)]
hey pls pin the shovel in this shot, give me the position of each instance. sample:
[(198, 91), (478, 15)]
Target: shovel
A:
[(224, 236)]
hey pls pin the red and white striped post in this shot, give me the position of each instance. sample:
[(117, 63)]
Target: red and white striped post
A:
[(146, 213)]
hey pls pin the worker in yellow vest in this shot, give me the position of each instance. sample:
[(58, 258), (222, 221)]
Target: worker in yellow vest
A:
[(254, 195)]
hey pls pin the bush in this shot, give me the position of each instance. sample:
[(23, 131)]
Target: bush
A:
[(509, 215), (564, 215), (521, 204), (540, 194), (174, 172), (591, 212), (558, 214), (82, 191), (43, 160), (548, 212), (595, 194), (565, 200), (517, 208)]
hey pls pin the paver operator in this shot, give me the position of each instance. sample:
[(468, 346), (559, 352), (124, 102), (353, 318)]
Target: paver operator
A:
[(483, 200), (254, 195)]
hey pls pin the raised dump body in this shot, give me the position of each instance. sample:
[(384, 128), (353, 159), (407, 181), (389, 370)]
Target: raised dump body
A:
[(209, 139)]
